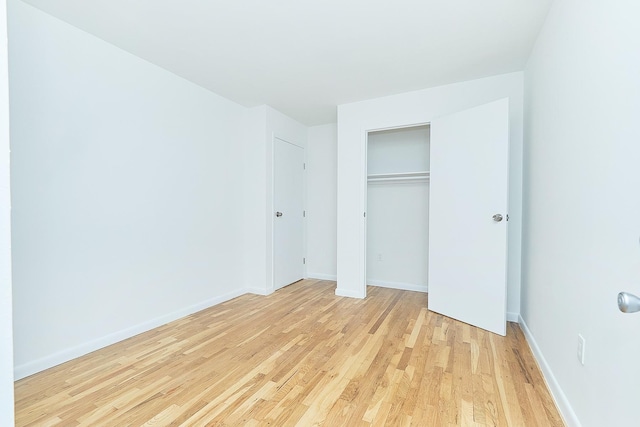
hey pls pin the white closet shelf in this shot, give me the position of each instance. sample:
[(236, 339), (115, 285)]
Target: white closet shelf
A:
[(399, 176)]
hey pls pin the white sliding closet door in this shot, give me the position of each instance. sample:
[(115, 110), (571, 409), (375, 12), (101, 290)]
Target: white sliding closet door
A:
[(468, 216)]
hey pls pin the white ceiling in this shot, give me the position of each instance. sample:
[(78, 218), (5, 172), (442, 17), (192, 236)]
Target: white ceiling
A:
[(305, 57)]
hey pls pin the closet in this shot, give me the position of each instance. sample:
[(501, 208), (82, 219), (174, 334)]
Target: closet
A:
[(397, 239)]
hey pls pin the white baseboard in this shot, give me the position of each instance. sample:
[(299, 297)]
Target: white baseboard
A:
[(258, 291), (513, 317), (32, 367), (349, 293), (564, 406), (398, 285), (322, 276)]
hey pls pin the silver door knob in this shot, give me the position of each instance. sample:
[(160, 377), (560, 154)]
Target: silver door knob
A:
[(628, 303), (278, 214), (497, 217)]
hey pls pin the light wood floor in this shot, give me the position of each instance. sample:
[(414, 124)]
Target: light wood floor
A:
[(299, 357)]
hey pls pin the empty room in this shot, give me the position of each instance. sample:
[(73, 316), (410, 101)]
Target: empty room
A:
[(319, 213)]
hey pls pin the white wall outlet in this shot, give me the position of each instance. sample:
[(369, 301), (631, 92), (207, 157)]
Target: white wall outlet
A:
[(581, 345), (379, 257)]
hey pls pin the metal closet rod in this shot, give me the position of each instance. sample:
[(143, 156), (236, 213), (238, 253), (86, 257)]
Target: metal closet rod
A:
[(399, 176)]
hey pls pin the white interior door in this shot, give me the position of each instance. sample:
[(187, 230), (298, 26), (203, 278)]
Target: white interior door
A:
[(467, 244), (288, 239)]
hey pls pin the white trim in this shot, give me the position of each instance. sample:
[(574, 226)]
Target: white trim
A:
[(364, 189), (562, 402), (271, 203), (349, 293), (7, 417), (62, 356), (322, 276), (398, 285), (364, 183), (513, 317), (259, 291)]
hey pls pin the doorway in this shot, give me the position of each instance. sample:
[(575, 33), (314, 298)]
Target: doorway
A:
[(398, 208), (468, 174)]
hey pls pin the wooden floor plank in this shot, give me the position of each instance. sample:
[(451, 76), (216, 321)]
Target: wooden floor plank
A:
[(301, 356)]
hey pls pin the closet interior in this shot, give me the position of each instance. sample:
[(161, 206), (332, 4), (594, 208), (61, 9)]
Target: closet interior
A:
[(398, 208)]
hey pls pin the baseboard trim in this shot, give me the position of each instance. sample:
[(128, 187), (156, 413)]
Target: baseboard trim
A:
[(322, 276), (513, 317), (399, 285), (35, 366), (258, 291), (563, 404), (349, 293)]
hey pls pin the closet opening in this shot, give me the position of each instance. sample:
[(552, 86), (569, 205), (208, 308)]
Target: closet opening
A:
[(397, 206)]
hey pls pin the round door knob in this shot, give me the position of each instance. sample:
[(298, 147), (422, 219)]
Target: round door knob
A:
[(497, 217), (278, 214), (628, 303)]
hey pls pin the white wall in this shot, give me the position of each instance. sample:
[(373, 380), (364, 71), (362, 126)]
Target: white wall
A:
[(262, 124), (321, 202), (412, 108), (582, 222), (398, 235), (126, 180), (398, 150), (6, 332), (254, 152)]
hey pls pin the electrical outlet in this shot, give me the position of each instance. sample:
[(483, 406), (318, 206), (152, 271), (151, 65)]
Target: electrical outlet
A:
[(581, 345), (379, 257)]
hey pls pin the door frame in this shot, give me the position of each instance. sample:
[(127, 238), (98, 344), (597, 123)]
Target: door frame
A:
[(6, 329), (364, 133), (271, 216)]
